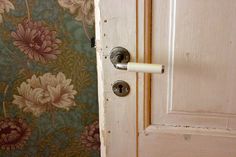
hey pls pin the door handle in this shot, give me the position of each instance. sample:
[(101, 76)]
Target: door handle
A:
[(120, 58)]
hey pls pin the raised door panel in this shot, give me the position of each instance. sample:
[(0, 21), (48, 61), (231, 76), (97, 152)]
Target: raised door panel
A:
[(196, 40)]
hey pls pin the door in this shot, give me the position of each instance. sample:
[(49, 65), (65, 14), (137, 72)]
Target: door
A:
[(189, 111)]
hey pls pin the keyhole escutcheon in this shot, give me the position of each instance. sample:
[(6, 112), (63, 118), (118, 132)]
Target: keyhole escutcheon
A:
[(121, 88)]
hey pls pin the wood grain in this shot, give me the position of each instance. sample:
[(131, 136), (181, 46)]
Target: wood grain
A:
[(147, 59)]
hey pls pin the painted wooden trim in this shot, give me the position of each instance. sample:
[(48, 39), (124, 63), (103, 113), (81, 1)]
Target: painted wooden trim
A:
[(137, 80), (147, 59), (116, 26), (140, 59)]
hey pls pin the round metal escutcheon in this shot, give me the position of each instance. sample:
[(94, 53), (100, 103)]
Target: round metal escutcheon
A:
[(121, 88), (119, 55)]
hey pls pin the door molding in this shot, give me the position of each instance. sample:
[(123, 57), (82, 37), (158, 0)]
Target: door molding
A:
[(147, 59)]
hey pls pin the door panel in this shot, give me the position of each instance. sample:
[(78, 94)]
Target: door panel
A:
[(185, 145), (196, 40), (204, 57)]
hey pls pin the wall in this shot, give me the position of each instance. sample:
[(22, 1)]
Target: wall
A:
[(48, 88)]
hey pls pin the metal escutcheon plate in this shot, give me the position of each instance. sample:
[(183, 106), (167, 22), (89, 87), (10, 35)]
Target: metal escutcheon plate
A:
[(121, 88), (119, 55)]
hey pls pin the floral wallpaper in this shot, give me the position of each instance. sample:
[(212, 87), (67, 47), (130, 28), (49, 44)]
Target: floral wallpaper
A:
[(48, 88)]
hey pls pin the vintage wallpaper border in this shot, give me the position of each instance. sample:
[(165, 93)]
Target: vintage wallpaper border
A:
[(48, 86)]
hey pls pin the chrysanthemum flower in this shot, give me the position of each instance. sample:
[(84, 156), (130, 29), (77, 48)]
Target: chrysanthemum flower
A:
[(36, 40), (45, 94), (90, 137), (5, 6), (82, 9), (14, 133)]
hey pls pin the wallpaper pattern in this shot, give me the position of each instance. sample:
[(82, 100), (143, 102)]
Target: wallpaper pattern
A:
[(48, 88)]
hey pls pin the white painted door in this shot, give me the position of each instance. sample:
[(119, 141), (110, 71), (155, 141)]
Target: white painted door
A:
[(190, 110)]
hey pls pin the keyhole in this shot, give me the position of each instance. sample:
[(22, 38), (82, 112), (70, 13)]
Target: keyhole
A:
[(120, 88)]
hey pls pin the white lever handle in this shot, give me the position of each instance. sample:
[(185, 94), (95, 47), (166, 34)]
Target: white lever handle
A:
[(141, 67), (120, 58)]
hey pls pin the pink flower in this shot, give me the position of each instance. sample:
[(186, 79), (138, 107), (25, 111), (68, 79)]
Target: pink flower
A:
[(5, 5), (45, 93), (82, 9), (90, 137), (36, 40), (14, 133)]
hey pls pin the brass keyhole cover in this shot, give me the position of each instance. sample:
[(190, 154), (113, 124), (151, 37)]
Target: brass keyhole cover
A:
[(121, 88)]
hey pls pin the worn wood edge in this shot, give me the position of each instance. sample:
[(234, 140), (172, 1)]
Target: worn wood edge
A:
[(100, 78), (147, 59)]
